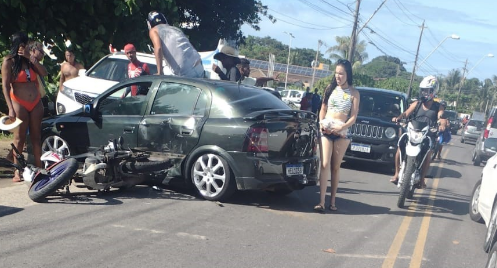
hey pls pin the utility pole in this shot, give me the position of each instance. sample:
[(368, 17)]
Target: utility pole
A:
[(460, 84), (353, 37), (314, 64), (409, 90)]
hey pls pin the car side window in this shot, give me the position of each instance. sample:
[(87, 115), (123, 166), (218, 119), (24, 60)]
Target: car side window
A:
[(128, 100), (175, 98)]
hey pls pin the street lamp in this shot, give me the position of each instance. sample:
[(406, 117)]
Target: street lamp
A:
[(489, 55), (315, 63), (288, 61), (453, 36)]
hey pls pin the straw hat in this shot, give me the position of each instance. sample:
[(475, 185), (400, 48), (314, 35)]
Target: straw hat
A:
[(8, 125), (227, 48)]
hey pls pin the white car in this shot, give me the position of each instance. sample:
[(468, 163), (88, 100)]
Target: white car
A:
[(483, 204), (292, 95), (107, 72)]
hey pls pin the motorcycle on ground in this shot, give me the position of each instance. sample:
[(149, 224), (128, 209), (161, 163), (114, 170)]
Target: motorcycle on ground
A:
[(414, 146)]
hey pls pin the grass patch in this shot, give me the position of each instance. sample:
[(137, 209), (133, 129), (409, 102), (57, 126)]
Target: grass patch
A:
[(6, 136)]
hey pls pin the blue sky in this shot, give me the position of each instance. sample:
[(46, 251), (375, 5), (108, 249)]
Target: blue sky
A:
[(396, 29)]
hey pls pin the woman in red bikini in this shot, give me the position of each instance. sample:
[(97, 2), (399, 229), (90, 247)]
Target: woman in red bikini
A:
[(20, 89)]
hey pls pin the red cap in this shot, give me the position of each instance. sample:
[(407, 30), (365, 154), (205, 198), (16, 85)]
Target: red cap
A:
[(129, 47)]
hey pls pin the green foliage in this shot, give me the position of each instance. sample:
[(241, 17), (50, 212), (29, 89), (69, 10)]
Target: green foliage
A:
[(260, 48)]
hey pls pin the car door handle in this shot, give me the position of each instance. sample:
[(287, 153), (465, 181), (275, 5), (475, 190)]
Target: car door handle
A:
[(128, 130), (167, 121)]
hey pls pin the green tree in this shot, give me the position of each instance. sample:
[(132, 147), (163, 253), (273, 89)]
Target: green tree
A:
[(341, 50)]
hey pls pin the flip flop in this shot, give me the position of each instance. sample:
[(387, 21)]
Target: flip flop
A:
[(394, 181), (333, 208), (319, 208)]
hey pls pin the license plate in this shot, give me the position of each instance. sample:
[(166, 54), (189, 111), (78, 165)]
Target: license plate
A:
[(363, 148), (294, 169)]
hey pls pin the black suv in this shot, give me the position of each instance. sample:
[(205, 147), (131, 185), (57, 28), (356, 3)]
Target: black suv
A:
[(455, 123), (374, 135)]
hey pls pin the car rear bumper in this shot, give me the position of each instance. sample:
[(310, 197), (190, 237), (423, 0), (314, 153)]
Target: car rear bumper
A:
[(256, 172), (471, 136)]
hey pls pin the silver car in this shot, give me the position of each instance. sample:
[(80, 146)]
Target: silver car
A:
[(472, 130)]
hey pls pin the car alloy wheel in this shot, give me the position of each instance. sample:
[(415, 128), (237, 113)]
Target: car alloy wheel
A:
[(212, 178), (492, 227), (474, 214), (55, 144)]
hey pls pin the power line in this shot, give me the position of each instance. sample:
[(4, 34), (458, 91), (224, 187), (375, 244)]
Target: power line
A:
[(341, 10), (293, 18), (402, 8), (406, 9), (322, 11), (312, 28), (399, 18)]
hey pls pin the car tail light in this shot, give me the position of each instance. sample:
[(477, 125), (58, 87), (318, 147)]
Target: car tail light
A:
[(256, 140), (487, 130)]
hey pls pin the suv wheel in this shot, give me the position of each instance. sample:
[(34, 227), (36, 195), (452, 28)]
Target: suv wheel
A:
[(54, 143)]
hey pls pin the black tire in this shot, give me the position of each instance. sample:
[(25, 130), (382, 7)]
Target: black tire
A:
[(406, 181), (462, 140), (491, 230), (435, 151), (204, 176), (476, 159), (142, 167), (474, 214), (410, 194), (60, 174), (492, 257)]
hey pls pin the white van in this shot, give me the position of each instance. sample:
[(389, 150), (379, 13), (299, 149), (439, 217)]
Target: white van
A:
[(107, 72), (292, 95)]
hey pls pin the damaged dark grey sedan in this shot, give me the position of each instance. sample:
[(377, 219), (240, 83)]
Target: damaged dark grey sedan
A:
[(222, 136)]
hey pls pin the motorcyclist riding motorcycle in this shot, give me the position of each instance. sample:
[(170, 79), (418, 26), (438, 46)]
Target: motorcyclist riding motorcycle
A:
[(444, 136), (427, 108)]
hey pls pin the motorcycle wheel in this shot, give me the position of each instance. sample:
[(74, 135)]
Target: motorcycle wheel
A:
[(60, 174), (142, 167), (406, 181)]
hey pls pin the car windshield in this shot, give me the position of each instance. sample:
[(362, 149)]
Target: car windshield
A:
[(380, 105), (491, 143), (238, 101), (114, 69)]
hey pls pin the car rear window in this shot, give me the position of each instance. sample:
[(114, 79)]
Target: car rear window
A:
[(475, 123), (238, 101), (491, 143)]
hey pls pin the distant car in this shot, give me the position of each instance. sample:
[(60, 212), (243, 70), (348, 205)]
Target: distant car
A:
[(292, 95), (455, 123), (471, 131), (483, 206), (108, 71), (491, 124), (374, 135), (484, 149), (221, 136)]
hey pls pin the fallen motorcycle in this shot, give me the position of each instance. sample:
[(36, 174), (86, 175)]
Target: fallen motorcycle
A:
[(44, 181)]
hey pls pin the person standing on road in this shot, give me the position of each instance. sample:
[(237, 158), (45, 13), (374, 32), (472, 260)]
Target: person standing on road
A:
[(338, 112), (20, 71), (444, 134), (316, 101), (136, 68), (70, 68), (425, 107), (172, 49)]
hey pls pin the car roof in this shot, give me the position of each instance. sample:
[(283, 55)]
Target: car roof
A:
[(382, 90)]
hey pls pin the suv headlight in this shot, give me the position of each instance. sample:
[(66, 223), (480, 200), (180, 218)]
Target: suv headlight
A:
[(390, 133), (68, 92)]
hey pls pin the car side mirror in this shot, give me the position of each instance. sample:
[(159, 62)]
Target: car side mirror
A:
[(82, 72), (89, 110)]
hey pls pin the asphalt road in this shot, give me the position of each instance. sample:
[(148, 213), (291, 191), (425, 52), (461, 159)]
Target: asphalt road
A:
[(143, 227)]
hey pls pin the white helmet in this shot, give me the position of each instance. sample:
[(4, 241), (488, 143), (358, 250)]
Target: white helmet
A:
[(428, 88)]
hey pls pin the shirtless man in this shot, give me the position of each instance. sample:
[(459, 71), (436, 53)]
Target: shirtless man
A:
[(70, 68)]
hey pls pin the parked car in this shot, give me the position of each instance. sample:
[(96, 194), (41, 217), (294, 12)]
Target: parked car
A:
[(484, 149), (374, 135), (483, 206), (222, 136), (472, 130), (455, 123), (108, 71), (292, 96)]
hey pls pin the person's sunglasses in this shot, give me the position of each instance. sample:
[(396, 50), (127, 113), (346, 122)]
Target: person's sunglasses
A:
[(342, 61)]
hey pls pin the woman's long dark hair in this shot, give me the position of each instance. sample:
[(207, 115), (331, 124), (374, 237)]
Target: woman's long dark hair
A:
[(348, 70), (17, 39)]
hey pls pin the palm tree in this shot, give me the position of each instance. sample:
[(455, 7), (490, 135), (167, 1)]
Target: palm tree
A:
[(341, 50)]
